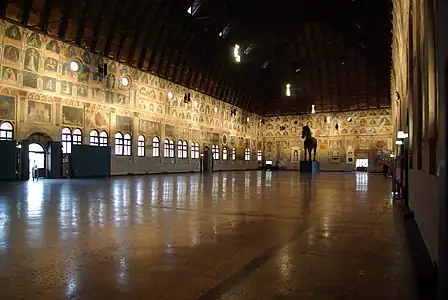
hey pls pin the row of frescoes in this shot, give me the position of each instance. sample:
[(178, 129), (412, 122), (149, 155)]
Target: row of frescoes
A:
[(39, 112), (296, 132), (341, 116), (39, 62), (42, 112), (282, 149), (370, 122)]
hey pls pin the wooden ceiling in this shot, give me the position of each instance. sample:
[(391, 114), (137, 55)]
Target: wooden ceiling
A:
[(335, 53)]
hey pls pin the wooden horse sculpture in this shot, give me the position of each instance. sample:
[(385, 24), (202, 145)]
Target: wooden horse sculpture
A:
[(310, 143)]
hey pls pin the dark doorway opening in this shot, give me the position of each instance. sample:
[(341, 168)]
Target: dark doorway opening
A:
[(207, 160)]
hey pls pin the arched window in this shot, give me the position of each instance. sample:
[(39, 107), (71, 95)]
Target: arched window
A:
[(180, 152), (215, 152), (233, 154), (224, 153), (155, 147), (171, 148), (6, 131), (166, 148), (141, 146), (104, 139), (77, 137), (259, 155), (119, 141), (66, 138), (127, 149), (247, 154), (195, 150), (93, 138), (185, 149)]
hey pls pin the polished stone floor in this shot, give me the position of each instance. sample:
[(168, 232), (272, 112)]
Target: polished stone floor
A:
[(235, 235)]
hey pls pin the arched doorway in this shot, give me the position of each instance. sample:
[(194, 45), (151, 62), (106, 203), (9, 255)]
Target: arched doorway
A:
[(37, 158), (41, 138), (206, 160)]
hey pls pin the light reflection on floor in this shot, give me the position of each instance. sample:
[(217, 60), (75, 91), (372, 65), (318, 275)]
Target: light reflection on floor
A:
[(161, 235), (362, 181)]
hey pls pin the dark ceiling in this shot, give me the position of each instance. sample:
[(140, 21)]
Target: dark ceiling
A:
[(334, 53)]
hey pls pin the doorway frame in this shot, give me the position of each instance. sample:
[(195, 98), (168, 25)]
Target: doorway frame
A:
[(210, 159), (45, 153)]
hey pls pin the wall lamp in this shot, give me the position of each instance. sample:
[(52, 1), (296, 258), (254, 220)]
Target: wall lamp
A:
[(75, 66)]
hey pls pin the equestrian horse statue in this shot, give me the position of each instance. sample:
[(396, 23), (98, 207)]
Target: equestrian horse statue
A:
[(310, 143)]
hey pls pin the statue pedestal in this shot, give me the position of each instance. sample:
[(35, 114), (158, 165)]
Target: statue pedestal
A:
[(309, 166)]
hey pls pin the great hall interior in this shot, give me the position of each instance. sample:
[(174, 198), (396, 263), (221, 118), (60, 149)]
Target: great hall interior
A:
[(159, 149)]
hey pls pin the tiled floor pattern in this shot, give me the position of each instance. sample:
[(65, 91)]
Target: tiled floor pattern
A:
[(235, 235)]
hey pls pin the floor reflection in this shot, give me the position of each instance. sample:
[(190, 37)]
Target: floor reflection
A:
[(34, 213), (134, 236), (362, 181), (5, 221)]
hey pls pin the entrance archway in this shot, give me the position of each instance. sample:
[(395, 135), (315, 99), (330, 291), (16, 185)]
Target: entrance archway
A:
[(37, 158), (41, 138), (206, 160)]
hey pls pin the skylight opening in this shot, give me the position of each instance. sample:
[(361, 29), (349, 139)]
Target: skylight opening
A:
[(249, 48), (236, 53), (288, 90), (225, 31), (193, 9)]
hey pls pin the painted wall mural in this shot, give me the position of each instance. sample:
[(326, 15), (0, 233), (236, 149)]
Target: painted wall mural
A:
[(149, 128), (53, 46), (11, 54), (96, 119), (35, 71), (13, 32), (30, 80), (38, 62), (49, 84), (368, 130), (82, 91), (32, 58), (39, 112), (9, 74), (170, 131), (7, 107), (124, 123), (34, 40), (72, 116), (50, 65)]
